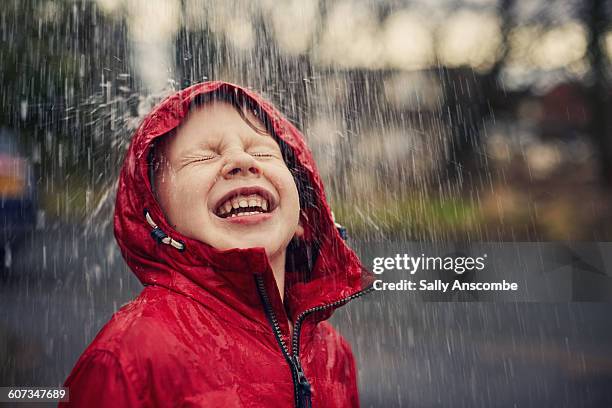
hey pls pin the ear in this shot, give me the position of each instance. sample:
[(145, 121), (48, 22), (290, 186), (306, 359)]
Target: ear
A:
[(299, 230)]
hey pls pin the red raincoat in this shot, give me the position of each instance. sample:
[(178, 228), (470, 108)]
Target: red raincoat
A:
[(210, 328)]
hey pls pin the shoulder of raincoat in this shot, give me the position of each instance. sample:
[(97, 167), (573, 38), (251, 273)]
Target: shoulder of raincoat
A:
[(209, 327)]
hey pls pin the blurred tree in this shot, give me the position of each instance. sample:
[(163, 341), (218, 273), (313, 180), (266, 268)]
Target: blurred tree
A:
[(471, 99), (55, 57), (597, 19)]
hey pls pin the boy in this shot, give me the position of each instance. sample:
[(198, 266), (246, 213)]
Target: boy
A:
[(222, 216)]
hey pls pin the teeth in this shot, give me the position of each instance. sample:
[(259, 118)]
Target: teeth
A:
[(244, 214), (252, 200)]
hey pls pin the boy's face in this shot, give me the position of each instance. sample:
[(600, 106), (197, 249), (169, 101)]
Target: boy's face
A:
[(221, 182)]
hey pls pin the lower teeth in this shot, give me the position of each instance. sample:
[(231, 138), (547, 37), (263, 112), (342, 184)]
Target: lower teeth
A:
[(242, 214)]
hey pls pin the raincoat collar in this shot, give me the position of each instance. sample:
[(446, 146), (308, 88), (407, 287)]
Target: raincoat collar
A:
[(227, 278)]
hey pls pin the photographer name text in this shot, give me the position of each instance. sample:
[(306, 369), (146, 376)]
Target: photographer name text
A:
[(455, 264), (441, 286)]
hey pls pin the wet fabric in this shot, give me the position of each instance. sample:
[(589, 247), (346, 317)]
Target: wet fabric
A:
[(199, 333)]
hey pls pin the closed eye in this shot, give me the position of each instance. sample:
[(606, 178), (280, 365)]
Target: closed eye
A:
[(262, 154), (203, 158)]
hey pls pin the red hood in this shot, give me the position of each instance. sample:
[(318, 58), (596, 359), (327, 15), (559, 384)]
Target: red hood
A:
[(226, 277)]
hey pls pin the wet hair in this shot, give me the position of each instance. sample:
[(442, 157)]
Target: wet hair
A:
[(300, 256)]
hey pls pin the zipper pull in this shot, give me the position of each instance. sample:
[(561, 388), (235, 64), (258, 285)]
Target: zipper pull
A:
[(305, 389)]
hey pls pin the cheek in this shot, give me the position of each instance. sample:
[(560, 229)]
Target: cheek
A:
[(165, 192), (286, 185), (292, 188), (191, 192), (182, 195)]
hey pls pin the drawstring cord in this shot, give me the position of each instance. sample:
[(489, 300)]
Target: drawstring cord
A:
[(160, 236)]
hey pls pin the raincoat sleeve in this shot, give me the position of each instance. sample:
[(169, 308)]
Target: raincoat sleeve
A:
[(353, 392), (99, 380)]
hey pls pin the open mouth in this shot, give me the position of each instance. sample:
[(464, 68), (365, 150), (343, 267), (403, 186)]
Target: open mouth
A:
[(245, 202)]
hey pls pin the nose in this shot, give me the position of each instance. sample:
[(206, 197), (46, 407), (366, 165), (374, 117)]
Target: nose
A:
[(240, 163)]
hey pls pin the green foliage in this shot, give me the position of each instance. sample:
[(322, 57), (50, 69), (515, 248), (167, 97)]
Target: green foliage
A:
[(410, 216)]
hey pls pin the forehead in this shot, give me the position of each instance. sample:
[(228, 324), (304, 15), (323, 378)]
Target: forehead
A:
[(216, 115), (214, 122)]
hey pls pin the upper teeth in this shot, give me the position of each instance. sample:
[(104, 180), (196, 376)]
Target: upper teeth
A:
[(242, 201)]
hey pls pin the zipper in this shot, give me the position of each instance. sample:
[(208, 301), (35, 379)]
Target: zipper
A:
[(300, 319), (301, 386)]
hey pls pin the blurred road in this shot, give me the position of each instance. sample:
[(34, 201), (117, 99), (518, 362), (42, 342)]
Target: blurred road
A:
[(64, 284), (61, 287)]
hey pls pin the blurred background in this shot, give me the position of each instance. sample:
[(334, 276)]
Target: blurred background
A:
[(446, 120)]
